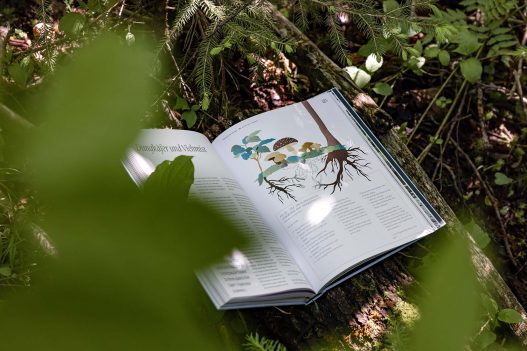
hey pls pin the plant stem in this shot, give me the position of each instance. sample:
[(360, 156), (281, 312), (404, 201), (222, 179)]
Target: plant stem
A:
[(421, 119), (425, 151)]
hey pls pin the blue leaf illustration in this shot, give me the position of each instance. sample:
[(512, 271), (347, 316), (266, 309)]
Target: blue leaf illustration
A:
[(293, 159), (265, 141), (261, 149), (260, 179), (247, 154), (237, 149)]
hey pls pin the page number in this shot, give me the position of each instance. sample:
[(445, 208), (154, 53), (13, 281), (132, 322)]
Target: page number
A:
[(324, 101)]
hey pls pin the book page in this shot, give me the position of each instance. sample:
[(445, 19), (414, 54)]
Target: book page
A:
[(265, 267), (322, 186)]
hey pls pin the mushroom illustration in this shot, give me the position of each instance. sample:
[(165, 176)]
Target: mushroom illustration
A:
[(285, 143), (276, 157), (310, 146)]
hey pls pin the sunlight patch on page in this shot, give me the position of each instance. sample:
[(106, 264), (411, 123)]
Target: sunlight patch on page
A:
[(320, 209), (138, 166), (238, 260)]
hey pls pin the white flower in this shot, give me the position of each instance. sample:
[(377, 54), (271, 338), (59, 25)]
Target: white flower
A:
[(360, 77), (420, 61), (372, 64)]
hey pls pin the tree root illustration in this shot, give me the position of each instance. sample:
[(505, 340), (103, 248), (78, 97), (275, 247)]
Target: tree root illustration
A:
[(339, 161), (283, 187)]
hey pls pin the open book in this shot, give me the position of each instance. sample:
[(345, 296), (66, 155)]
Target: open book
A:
[(319, 197)]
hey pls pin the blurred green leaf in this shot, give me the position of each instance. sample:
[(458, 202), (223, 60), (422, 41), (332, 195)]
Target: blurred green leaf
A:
[(391, 6), (5, 271), (449, 311), (471, 69), (479, 235), (490, 305), (508, 315), (123, 277), (72, 24), (19, 73), (485, 339)]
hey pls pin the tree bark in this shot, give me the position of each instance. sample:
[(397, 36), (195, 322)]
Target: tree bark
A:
[(358, 308), (330, 139)]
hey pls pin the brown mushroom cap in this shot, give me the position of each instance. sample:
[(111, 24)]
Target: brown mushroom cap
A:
[(284, 142)]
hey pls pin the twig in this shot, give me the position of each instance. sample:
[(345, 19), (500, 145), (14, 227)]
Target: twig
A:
[(430, 106), (122, 8), (426, 150), (493, 201)]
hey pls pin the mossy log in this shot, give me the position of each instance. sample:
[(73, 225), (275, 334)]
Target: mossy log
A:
[(358, 310)]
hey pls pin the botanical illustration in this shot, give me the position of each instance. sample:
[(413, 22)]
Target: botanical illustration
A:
[(284, 164)]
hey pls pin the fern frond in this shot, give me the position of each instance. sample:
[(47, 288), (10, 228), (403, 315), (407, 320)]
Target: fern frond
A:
[(213, 11), (183, 17), (255, 342), (301, 15), (338, 42), (203, 71)]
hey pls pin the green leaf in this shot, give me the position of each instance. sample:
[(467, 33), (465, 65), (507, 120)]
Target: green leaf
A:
[(452, 269), (508, 315), (19, 73), (383, 89), (501, 179), (172, 179), (389, 6), (490, 305), (419, 47), (431, 51), (479, 235), (471, 69), (72, 24), (467, 42), (5, 271), (190, 117), (216, 50), (181, 104), (444, 57), (132, 256), (485, 339), (205, 103)]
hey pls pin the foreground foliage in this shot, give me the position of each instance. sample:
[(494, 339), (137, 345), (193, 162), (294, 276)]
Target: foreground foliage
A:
[(450, 75)]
